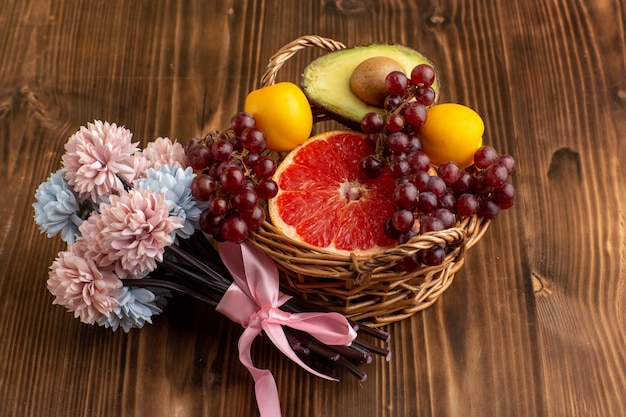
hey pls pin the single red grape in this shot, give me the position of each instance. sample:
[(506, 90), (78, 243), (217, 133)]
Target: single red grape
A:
[(430, 224), (203, 187), (402, 220), (449, 172), (253, 139), (415, 114), (405, 196), (235, 229), (423, 75), (396, 82), (267, 188), (241, 121), (485, 156), (232, 180), (372, 123), (371, 166), (467, 205)]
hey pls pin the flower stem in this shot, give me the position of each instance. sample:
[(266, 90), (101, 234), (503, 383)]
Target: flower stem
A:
[(193, 267)]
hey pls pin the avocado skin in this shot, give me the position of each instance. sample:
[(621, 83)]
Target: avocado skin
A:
[(326, 80)]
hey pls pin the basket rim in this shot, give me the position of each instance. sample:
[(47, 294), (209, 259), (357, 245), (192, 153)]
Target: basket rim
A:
[(467, 232)]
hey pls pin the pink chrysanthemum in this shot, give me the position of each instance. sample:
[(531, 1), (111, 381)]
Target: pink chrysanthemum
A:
[(133, 230), (91, 231), (164, 152), (140, 165), (85, 289), (95, 156)]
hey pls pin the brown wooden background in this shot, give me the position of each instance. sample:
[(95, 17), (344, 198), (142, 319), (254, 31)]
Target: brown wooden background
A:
[(535, 323)]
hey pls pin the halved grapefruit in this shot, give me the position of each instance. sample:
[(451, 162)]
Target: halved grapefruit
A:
[(323, 199)]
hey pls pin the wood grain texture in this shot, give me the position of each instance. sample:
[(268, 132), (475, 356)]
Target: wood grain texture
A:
[(534, 324)]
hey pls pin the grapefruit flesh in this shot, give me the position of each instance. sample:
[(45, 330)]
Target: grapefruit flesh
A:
[(323, 199)]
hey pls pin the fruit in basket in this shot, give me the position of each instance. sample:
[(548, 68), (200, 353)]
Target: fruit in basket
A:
[(283, 113), (326, 80), (233, 178), (325, 201), (452, 132), (468, 180)]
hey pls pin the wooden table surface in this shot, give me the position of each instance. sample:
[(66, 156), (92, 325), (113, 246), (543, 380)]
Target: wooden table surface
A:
[(533, 325)]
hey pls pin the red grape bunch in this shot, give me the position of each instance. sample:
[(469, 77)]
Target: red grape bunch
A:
[(234, 176), (443, 199), (394, 133), (425, 200)]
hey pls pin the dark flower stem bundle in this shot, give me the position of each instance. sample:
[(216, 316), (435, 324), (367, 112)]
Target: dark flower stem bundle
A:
[(194, 268)]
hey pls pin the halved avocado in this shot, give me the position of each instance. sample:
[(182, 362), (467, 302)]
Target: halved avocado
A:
[(326, 80)]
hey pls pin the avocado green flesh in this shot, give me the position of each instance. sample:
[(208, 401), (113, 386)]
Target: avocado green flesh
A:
[(326, 80)]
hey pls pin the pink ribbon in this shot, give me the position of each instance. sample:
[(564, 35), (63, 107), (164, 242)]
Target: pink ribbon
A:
[(253, 300)]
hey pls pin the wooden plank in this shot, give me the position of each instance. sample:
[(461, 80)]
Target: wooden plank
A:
[(533, 324), (573, 238)]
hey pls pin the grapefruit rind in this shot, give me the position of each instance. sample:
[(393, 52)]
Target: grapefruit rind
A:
[(325, 202)]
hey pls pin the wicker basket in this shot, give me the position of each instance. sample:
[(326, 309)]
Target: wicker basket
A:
[(366, 289)]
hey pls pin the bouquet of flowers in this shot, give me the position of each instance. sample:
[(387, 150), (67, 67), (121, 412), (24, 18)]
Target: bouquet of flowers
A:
[(131, 222)]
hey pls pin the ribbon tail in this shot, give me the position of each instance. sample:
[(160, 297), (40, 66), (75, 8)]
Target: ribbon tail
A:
[(329, 328), (267, 395), (277, 335), (264, 384)]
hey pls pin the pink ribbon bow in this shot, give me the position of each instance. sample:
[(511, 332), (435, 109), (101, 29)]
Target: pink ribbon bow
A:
[(253, 300)]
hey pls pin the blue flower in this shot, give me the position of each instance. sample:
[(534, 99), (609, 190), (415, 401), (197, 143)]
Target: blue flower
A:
[(136, 308), (57, 208), (175, 183)]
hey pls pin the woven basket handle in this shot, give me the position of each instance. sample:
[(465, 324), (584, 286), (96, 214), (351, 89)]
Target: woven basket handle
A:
[(287, 51)]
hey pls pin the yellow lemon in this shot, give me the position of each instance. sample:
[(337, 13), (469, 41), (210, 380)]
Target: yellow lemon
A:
[(452, 132), (283, 113)]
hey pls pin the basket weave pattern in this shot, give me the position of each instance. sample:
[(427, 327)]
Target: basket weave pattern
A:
[(364, 288)]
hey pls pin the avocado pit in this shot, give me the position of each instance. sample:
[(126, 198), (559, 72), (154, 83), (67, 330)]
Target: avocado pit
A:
[(367, 81)]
